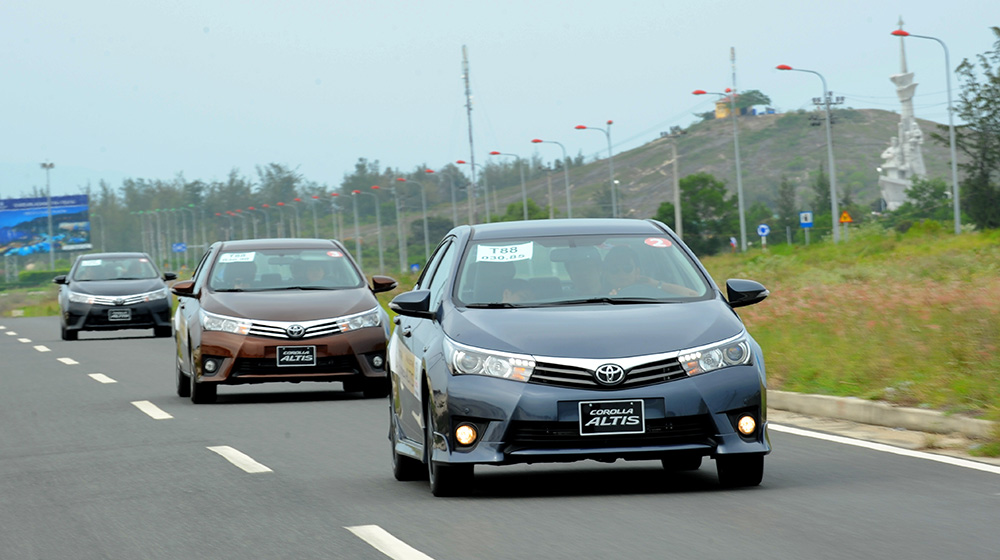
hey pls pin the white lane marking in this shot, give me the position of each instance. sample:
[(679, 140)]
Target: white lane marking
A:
[(69, 361), (384, 542), (24, 340), (42, 348), (3, 328), (154, 412), (11, 333), (239, 459), (100, 377), (954, 461)]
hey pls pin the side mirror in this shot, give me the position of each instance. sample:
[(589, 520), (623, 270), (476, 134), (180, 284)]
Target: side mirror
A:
[(383, 284), (170, 276), (745, 292), (61, 279), (183, 289), (413, 304)]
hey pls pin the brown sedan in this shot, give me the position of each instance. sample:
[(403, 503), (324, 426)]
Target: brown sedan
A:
[(267, 310)]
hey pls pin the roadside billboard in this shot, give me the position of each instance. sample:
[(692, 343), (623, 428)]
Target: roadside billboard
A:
[(24, 225)]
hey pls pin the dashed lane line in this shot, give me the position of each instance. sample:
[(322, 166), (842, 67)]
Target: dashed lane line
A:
[(24, 340), (42, 348), (153, 411), (11, 333), (240, 459), (101, 378), (384, 542), (69, 361)]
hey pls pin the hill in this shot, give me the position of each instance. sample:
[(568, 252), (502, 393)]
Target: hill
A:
[(771, 147)]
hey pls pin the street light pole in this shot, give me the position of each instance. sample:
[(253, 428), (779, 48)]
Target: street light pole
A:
[(565, 166), (399, 231), (48, 198), (378, 227), (951, 126), (486, 188), (423, 204), (524, 188), (834, 204), (315, 223), (334, 214), (739, 172), (454, 205), (611, 165)]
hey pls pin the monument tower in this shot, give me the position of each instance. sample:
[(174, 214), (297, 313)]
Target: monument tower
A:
[(903, 159)]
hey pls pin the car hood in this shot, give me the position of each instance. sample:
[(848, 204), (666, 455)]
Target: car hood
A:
[(117, 287), (595, 331), (290, 305)]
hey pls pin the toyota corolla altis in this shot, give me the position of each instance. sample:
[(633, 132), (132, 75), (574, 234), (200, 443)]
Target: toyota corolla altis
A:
[(565, 340)]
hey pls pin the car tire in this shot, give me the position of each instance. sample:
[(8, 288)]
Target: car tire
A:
[(68, 334), (404, 468), (446, 480), (183, 382), (202, 393), (377, 388), (163, 332), (681, 463), (737, 471)]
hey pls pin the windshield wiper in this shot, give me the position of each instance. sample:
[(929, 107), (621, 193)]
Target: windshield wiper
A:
[(602, 299), (495, 305)]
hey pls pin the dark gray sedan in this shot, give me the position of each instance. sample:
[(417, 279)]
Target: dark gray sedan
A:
[(565, 340)]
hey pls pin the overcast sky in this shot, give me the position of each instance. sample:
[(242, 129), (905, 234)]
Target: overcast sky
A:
[(149, 89)]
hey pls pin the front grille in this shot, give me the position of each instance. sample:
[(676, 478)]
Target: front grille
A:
[(269, 366), (119, 300), (576, 377), (674, 430), (279, 330)]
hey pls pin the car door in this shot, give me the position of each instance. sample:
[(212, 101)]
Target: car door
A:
[(413, 338), (186, 325)]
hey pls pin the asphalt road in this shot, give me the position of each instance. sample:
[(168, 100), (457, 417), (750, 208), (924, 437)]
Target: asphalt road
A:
[(100, 459)]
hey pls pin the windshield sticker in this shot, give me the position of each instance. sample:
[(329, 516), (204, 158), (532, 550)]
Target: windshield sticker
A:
[(335, 254), (658, 242), (236, 257), (504, 253), (95, 262)]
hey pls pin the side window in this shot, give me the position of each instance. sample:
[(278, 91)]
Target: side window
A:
[(200, 274), (432, 263), (442, 273)]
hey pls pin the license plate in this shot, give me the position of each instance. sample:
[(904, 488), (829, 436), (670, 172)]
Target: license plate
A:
[(289, 356), (599, 418), (124, 314)]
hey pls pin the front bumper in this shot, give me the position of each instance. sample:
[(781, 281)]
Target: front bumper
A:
[(529, 423), (143, 315), (240, 359)]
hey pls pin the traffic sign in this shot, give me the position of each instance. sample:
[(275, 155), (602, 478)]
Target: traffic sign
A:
[(180, 247), (845, 218), (805, 219), (763, 230)]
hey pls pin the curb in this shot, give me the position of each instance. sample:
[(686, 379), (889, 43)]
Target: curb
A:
[(880, 413)]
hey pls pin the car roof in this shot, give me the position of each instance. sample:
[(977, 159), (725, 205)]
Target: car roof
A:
[(542, 228), (118, 255), (277, 243)]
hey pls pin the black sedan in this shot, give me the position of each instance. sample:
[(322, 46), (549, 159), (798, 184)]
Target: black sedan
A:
[(565, 340), (114, 291)]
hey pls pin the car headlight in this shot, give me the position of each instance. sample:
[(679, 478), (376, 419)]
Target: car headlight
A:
[(361, 320), (732, 352), (213, 322), (77, 297), (468, 360), (158, 294)]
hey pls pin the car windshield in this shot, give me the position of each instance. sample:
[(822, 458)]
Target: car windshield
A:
[(284, 269), (115, 268), (577, 270)]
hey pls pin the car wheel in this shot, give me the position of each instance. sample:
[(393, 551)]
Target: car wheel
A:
[(446, 480), (681, 463), (404, 468), (377, 388), (740, 470), (163, 332), (183, 382), (68, 334), (202, 393)]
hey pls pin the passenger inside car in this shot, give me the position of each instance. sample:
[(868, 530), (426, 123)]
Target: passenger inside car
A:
[(239, 275)]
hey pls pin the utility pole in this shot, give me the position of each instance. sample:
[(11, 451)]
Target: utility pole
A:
[(48, 197), (474, 212)]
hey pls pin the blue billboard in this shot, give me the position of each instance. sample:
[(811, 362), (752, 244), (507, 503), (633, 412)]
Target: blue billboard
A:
[(24, 224)]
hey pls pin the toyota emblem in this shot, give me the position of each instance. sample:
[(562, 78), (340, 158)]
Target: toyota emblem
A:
[(119, 301), (609, 374), (295, 331)]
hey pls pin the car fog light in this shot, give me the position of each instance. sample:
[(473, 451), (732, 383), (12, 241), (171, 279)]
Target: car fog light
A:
[(377, 361), (211, 366), (466, 434), (747, 425)]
